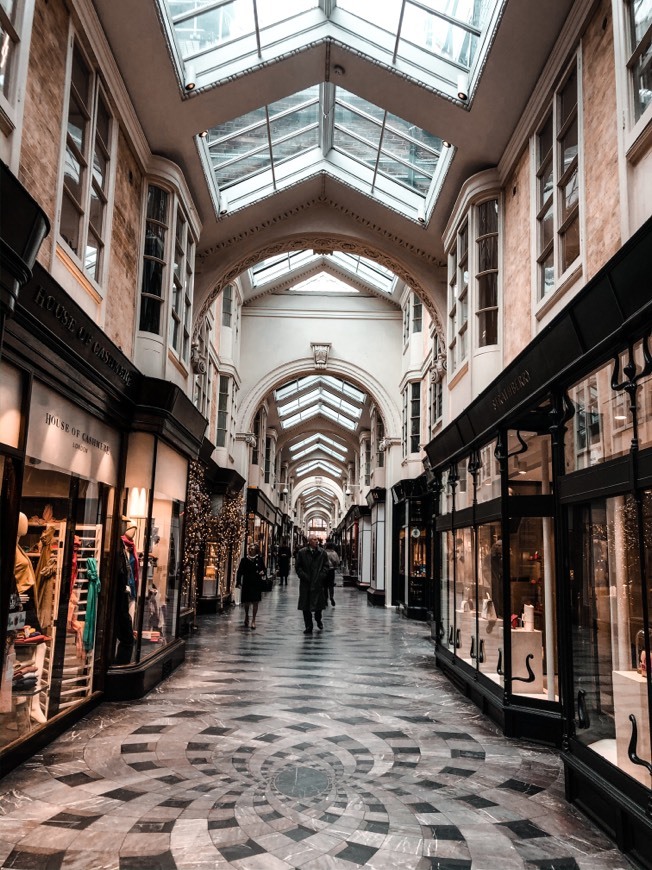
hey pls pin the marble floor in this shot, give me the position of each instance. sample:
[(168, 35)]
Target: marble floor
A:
[(269, 749)]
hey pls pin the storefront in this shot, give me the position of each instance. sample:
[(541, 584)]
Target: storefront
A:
[(349, 530), (376, 502), (261, 522), (412, 585), (543, 546), (220, 551), (66, 397)]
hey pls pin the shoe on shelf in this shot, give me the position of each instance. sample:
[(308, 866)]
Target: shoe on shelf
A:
[(307, 631)]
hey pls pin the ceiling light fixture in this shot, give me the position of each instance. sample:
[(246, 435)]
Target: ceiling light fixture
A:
[(190, 83), (338, 70), (204, 134), (446, 144), (463, 86)]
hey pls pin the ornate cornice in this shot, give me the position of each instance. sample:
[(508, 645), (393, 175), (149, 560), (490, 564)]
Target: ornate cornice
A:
[(248, 437), (385, 443)]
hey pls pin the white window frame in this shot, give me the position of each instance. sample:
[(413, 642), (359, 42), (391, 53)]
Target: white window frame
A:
[(15, 48), (163, 260), (478, 239), (552, 202), (458, 297), (182, 285), (82, 204), (222, 424)]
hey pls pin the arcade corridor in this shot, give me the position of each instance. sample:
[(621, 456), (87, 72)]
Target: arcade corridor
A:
[(269, 750)]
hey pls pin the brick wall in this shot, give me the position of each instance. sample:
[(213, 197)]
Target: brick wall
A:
[(601, 184), (44, 100), (517, 289), (121, 300)]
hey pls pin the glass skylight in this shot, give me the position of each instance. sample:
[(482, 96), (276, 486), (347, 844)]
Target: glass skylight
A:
[(335, 385), (318, 437), (323, 283), (318, 396), (312, 411), (285, 264), (320, 447), (384, 156), (318, 463)]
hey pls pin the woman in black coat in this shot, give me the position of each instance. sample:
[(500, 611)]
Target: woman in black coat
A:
[(250, 575)]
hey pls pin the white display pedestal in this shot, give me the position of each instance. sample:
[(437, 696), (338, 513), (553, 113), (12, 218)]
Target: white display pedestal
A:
[(524, 643), (465, 624), (630, 696)]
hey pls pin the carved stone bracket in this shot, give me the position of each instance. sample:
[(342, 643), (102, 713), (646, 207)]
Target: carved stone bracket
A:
[(248, 437), (439, 368), (320, 352), (385, 443)]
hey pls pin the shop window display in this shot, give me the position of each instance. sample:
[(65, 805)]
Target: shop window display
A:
[(611, 642), (63, 526), (150, 549)]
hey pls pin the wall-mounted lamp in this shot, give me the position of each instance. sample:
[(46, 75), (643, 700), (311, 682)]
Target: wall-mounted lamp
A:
[(224, 204), (285, 490), (463, 86), (204, 134), (347, 491), (191, 78), (446, 143), (421, 215)]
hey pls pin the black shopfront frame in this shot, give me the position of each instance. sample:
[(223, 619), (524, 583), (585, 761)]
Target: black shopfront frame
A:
[(611, 314)]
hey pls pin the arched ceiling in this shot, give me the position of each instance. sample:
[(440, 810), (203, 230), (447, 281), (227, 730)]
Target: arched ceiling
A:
[(479, 129)]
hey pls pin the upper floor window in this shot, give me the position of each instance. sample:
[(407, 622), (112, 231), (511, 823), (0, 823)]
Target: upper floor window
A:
[(458, 298), (205, 370), (380, 436), (411, 418), (269, 459), (558, 201), (406, 322), (639, 62), (227, 305), (258, 428), (156, 230), (83, 221), (182, 285), (436, 385), (222, 412), (417, 314), (10, 39), (367, 462), (486, 270)]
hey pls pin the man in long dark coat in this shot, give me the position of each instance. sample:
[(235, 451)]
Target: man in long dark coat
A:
[(311, 565)]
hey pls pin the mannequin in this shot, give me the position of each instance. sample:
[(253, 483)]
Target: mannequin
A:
[(134, 566), (25, 583)]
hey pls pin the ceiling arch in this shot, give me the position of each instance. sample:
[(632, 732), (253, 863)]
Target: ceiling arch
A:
[(363, 379), (221, 267)]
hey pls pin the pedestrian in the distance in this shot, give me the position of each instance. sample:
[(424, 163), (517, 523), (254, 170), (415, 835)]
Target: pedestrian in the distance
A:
[(333, 563), (250, 575), (284, 556), (311, 565)]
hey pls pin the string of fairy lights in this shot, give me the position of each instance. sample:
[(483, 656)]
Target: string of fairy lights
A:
[(225, 530)]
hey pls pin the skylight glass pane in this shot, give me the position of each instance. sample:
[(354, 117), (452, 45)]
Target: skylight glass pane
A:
[(293, 122), (368, 9), (197, 31), (404, 174), (317, 463), (243, 168), (272, 267), (352, 122), (438, 36), (251, 119), (411, 131), (238, 146), (354, 148), (320, 447), (317, 437), (323, 283), (296, 386), (293, 101), (271, 11), (341, 404), (338, 418), (296, 145), (344, 387)]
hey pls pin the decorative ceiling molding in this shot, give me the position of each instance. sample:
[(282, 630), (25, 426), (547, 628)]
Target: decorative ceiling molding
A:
[(320, 352)]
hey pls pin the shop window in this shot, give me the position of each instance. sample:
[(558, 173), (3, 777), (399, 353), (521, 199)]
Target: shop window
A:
[(488, 480), (223, 412), (487, 272), (529, 468), (603, 424), (154, 259), (458, 290), (639, 62), (182, 287), (227, 305), (610, 638), (558, 187), (87, 168), (149, 550), (66, 508)]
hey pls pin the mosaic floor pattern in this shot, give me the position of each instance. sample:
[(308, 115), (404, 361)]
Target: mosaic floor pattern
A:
[(271, 750)]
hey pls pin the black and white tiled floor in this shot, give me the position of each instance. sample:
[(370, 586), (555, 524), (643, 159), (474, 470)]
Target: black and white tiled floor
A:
[(273, 750)]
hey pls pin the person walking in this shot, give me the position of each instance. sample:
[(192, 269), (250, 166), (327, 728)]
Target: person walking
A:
[(249, 577), (284, 556), (333, 563), (311, 565)]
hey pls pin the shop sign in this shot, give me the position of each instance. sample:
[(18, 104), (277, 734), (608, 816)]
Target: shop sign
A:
[(68, 437), (52, 306)]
